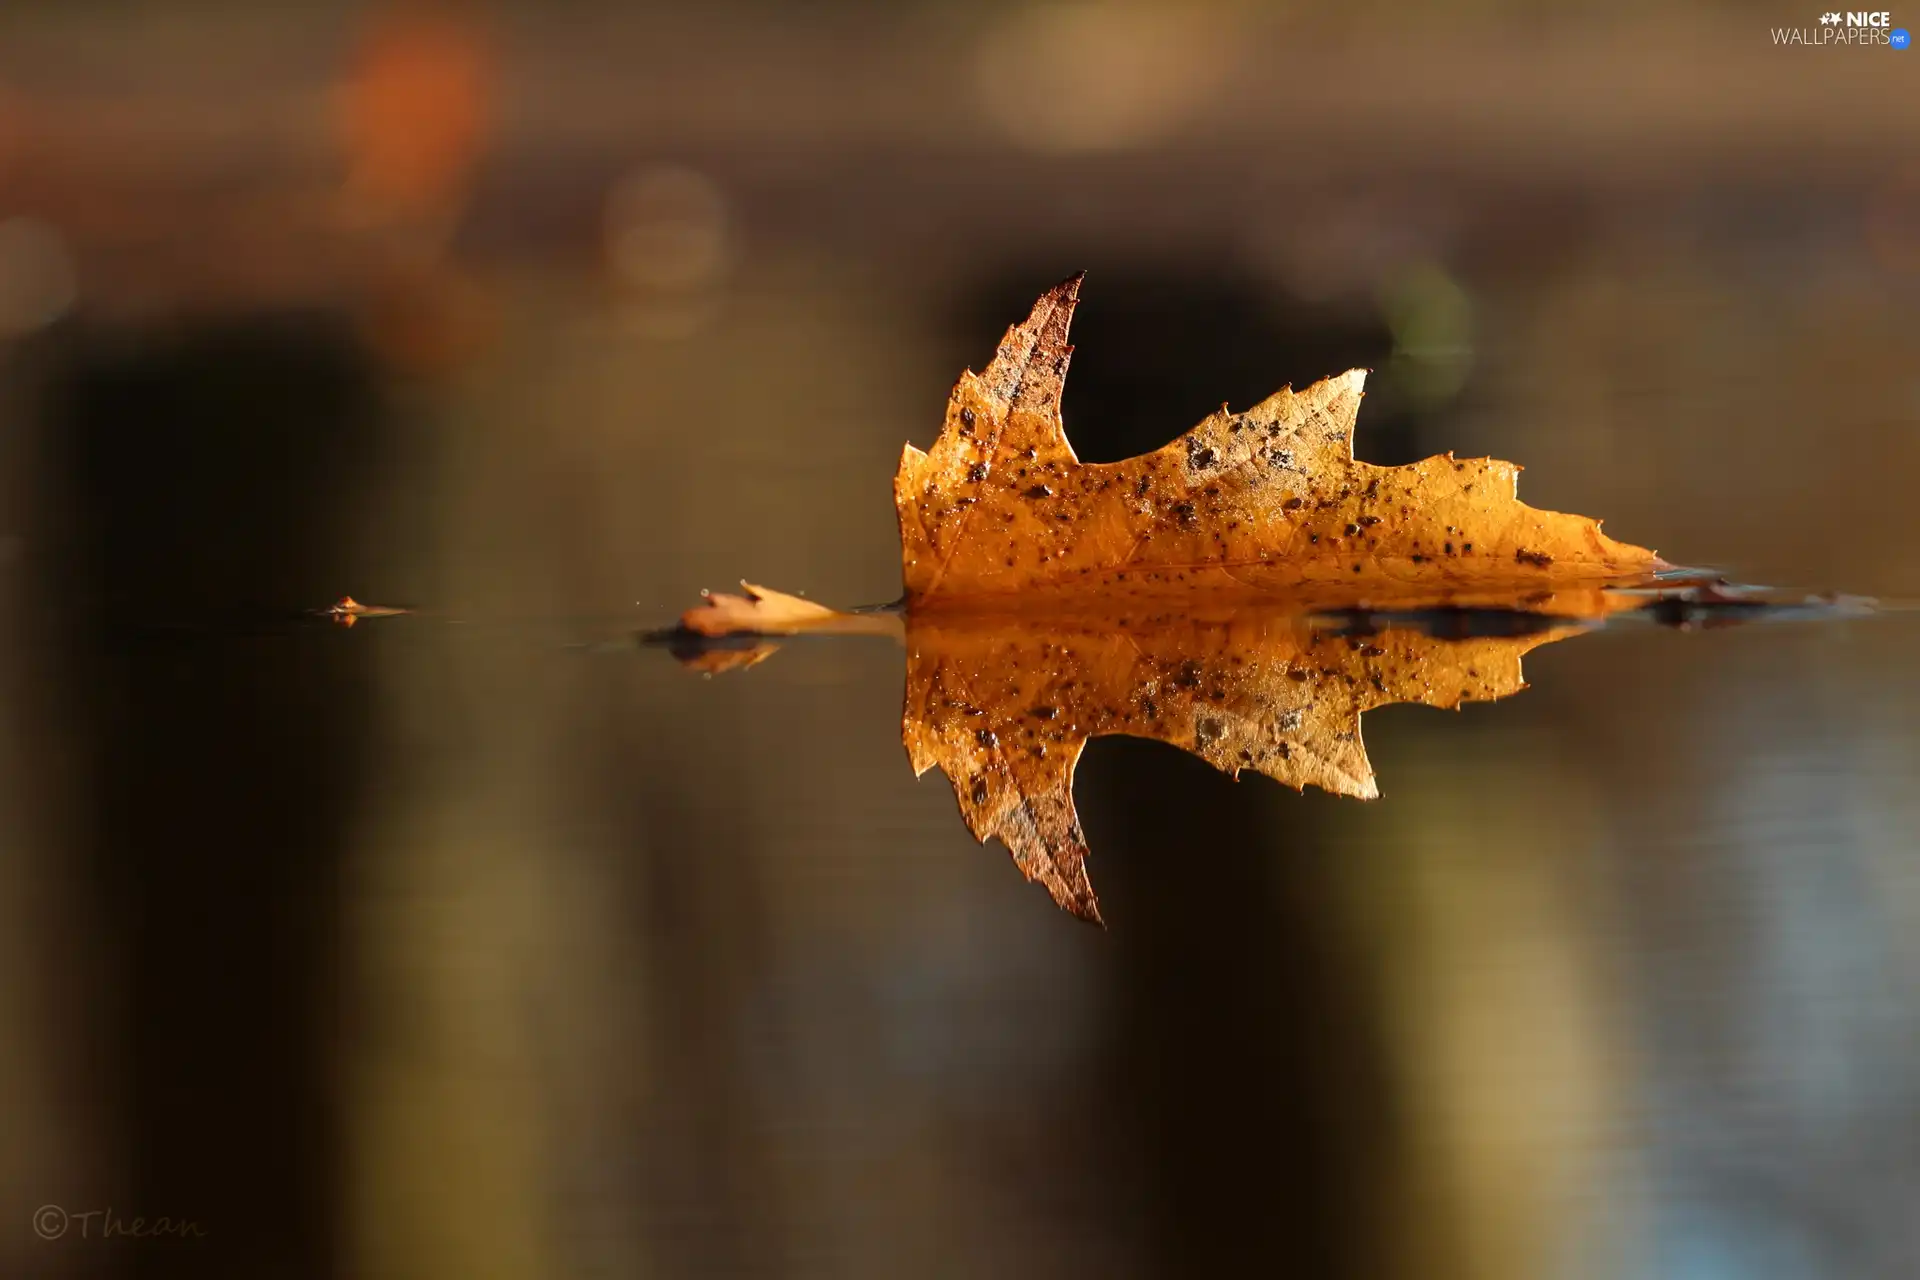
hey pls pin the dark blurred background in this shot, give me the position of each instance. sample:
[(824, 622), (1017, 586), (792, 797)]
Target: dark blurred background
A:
[(483, 943)]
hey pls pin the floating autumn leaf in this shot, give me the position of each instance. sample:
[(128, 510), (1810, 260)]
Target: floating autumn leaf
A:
[(1264, 503), (1181, 595)]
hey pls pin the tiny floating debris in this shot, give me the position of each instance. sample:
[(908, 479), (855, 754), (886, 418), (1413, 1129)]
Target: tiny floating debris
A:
[(346, 611)]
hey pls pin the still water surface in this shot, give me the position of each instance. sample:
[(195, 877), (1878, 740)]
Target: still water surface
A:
[(512, 948), (491, 942)]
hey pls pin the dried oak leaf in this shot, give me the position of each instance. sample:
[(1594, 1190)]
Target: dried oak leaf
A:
[(1169, 596), (1265, 502), (1004, 705)]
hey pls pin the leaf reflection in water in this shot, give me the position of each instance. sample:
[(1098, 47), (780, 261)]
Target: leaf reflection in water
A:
[(1004, 707), (1004, 702)]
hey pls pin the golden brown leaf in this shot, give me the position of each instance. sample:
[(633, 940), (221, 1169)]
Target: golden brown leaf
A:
[(1263, 503), (1184, 595)]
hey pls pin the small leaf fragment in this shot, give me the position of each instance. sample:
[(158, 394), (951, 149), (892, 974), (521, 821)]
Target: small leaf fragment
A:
[(346, 611), (765, 612)]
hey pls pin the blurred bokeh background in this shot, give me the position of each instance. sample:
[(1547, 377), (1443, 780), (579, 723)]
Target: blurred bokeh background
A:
[(486, 944)]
